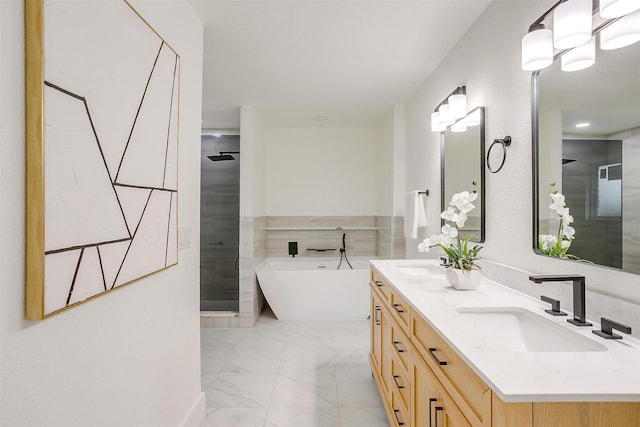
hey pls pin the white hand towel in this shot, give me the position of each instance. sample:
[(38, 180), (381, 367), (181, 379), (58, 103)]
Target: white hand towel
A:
[(415, 215)]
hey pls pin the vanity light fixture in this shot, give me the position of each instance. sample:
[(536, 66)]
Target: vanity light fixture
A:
[(616, 8), (452, 108), (580, 57), (574, 26), (572, 22), (623, 32)]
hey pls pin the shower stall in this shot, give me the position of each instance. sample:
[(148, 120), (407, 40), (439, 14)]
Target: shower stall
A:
[(219, 222)]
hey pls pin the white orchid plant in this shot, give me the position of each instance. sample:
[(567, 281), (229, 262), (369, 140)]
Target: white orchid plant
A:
[(558, 245), (458, 251)]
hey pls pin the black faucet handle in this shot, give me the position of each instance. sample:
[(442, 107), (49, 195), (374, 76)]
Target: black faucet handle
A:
[(607, 326), (555, 306)]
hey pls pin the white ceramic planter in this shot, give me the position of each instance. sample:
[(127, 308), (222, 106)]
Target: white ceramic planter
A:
[(463, 280)]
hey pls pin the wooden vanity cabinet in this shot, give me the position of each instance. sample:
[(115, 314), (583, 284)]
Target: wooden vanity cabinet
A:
[(421, 378)]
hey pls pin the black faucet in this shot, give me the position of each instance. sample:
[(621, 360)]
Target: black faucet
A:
[(579, 306)]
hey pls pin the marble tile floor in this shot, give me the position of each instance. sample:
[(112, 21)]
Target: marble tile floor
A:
[(290, 374)]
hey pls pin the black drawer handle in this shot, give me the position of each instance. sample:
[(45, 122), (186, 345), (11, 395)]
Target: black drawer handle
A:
[(431, 401), (395, 380), (438, 409), (379, 283), (398, 308), (375, 315), (432, 352), (395, 412), (398, 349)]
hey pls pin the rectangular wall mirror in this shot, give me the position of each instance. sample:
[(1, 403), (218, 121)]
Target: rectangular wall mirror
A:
[(586, 140), (462, 164)]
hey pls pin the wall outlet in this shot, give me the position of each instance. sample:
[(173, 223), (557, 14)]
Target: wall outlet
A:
[(184, 238)]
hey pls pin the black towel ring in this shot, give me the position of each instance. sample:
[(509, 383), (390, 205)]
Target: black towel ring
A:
[(504, 143)]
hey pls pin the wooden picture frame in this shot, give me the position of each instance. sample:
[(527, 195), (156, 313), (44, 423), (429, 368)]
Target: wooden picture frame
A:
[(102, 125)]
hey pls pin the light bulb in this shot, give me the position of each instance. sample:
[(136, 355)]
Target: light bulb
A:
[(579, 58), (623, 32), (537, 49), (615, 8), (436, 126), (446, 118), (458, 105), (572, 22)]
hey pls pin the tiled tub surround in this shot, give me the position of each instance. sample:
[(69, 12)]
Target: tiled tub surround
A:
[(390, 237), (290, 374), (612, 375)]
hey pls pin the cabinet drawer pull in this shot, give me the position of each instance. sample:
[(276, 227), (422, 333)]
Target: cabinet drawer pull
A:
[(398, 308), (395, 380), (431, 400), (375, 315), (398, 349), (438, 409), (432, 352), (395, 412), (379, 283)]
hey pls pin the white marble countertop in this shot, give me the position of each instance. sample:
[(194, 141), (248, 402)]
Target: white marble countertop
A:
[(516, 376)]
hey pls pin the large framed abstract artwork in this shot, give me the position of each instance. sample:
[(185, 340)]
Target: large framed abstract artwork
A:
[(102, 107)]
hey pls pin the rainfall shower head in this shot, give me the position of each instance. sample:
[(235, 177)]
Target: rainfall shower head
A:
[(224, 155)]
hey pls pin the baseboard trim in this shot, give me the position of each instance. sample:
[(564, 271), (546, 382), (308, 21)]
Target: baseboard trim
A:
[(196, 414)]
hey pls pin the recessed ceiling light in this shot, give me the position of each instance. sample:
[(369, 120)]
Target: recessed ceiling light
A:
[(321, 118), (582, 125)]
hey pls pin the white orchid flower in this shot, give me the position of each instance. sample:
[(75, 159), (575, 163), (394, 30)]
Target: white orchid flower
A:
[(449, 214), (423, 246), (449, 231), (569, 231), (547, 241), (462, 218), (566, 217), (462, 199), (445, 241), (565, 244), (558, 199), (467, 208)]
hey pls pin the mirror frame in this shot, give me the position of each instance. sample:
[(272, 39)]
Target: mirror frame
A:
[(482, 185)]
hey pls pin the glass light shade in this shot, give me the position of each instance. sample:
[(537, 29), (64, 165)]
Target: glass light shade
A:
[(623, 32), (473, 119), (436, 126), (446, 118), (579, 58), (572, 22), (459, 126), (615, 8), (537, 49), (458, 105)]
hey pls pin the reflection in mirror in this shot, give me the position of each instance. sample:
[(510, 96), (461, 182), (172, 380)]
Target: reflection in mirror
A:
[(588, 143), (462, 164)]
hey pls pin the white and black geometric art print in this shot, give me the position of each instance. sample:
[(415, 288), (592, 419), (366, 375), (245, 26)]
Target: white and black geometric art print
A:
[(102, 151)]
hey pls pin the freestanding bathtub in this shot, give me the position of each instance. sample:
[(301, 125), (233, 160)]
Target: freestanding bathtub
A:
[(313, 288)]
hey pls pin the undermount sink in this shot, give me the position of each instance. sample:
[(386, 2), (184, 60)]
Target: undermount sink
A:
[(420, 270), (518, 329)]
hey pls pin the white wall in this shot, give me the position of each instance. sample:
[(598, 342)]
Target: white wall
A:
[(252, 169), (385, 175), (129, 358), (321, 171), (487, 60)]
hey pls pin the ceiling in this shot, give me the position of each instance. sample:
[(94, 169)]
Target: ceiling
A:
[(347, 60)]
